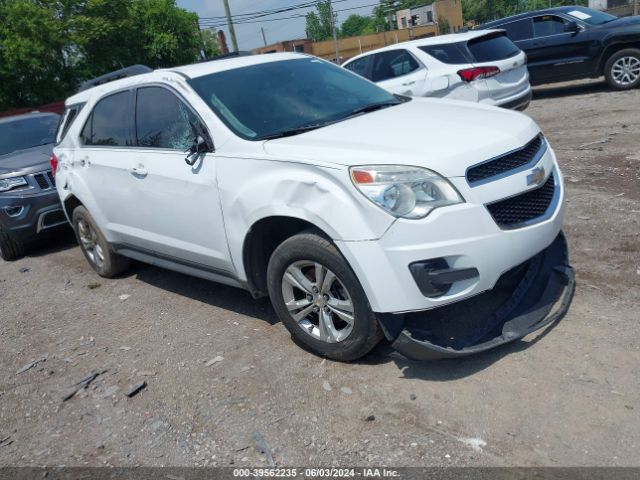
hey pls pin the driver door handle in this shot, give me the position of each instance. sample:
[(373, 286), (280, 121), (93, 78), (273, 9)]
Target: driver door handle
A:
[(139, 171)]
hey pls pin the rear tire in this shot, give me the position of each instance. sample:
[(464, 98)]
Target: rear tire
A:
[(95, 247), (622, 70), (325, 309), (10, 249)]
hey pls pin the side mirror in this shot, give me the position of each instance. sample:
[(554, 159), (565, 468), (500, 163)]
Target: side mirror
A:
[(199, 147), (572, 27)]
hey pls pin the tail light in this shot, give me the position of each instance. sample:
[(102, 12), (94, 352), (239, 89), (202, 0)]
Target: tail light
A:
[(471, 74), (54, 164)]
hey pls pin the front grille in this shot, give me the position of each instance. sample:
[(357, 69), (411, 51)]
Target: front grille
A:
[(52, 180), (41, 181), (514, 211), (507, 162)]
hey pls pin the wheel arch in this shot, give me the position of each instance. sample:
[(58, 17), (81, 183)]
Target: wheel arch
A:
[(612, 49), (262, 238)]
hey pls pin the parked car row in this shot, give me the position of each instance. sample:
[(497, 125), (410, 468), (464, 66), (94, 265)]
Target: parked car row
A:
[(361, 214), (569, 43)]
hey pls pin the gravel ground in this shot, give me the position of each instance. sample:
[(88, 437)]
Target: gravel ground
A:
[(225, 385)]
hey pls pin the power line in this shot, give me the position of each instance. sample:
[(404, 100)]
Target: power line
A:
[(273, 11), (218, 24)]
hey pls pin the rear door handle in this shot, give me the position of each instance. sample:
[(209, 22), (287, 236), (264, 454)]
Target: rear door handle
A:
[(139, 171), (411, 82)]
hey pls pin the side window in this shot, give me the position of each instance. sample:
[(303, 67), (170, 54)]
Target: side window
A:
[(164, 121), (520, 30), (548, 25), (68, 117), (108, 124), (394, 63), (359, 66)]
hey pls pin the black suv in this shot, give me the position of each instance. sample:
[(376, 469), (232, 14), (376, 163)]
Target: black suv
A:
[(29, 203), (568, 43)]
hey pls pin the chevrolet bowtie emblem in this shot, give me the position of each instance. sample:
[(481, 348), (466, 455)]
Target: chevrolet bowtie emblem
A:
[(536, 177)]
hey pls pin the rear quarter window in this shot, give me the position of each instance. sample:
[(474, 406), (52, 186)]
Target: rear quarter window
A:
[(68, 117), (491, 48), (449, 53)]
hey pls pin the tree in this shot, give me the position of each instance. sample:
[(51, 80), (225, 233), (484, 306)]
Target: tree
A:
[(47, 47), (356, 25), (320, 25), (210, 40)]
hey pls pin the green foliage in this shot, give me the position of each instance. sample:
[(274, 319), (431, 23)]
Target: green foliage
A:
[(357, 25), (443, 26), (320, 25), (47, 47), (210, 40)]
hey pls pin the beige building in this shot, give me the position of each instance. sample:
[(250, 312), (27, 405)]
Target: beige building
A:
[(443, 14)]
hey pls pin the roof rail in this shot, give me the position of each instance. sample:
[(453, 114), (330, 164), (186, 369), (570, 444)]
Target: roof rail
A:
[(116, 75), (241, 53)]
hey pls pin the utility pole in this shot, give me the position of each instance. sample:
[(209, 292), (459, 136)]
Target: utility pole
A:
[(203, 48), (232, 31), (334, 20), (635, 7), (264, 37)]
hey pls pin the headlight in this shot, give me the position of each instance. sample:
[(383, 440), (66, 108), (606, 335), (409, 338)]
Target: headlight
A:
[(7, 184), (406, 192)]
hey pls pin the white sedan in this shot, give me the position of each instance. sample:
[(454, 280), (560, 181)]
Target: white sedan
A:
[(477, 66)]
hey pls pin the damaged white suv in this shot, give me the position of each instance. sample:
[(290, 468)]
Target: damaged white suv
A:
[(362, 215)]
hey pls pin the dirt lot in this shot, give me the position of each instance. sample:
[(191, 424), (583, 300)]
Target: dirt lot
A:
[(569, 396)]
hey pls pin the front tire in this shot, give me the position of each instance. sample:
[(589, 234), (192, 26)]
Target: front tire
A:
[(95, 247), (10, 248), (622, 70), (319, 299)]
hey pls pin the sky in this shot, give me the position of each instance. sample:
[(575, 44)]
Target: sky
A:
[(249, 35)]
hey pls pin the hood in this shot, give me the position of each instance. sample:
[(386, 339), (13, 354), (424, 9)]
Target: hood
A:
[(442, 135), (623, 22), (27, 161)]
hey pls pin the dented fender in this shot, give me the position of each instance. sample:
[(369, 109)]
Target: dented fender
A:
[(252, 189)]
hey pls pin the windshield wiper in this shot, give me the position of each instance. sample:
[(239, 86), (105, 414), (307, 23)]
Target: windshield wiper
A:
[(372, 107), (292, 131)]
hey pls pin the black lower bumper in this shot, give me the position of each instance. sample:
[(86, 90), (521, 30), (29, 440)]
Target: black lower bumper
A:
[(520, 103), (23, 217), (522, 302)]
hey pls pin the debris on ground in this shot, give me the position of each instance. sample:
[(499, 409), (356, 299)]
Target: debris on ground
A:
[(146, 373), (263, 448), (93, 286), (214, 360), (24, 270), (327, 386), (30, 365), (82, 384), (124, 297), (5, 442), (346, 390), (137, 388), (475, 443), (370, 418)]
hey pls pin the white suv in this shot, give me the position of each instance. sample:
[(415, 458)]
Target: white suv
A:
[(361, 214), (479, 66)]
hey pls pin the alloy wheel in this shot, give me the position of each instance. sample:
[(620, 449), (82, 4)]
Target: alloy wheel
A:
[(318, 301), (90, 244), (626, 70)]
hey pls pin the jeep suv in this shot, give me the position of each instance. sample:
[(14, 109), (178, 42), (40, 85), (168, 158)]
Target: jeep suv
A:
[(362, 215), (29, 204), (568, 43)]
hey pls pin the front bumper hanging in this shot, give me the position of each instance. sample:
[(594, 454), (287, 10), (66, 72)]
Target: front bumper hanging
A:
[(521, 302)]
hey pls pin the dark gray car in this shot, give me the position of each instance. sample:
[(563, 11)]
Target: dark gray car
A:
[(29, 202)]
